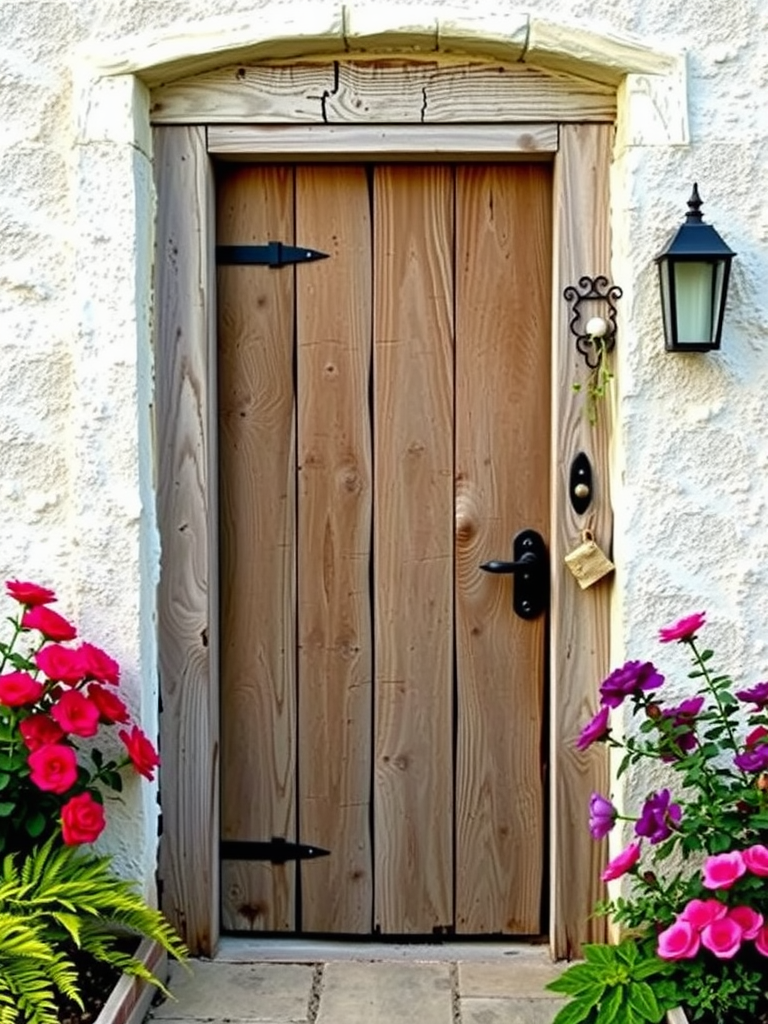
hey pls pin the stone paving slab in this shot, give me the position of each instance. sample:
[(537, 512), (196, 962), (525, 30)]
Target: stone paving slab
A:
[(386, 993), (509, 1011), (267, 993), (520, 977)]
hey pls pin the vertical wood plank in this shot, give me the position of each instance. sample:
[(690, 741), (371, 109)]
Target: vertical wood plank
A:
[(334, 536), (580, 619), (413, 548), (503, 224), (257, 493), (186, 497)]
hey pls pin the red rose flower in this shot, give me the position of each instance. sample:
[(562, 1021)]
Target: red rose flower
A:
[(82, 820), (29, 594), (17, 688), (54, 767), (111, 708), (141, 752), (38, 730), (97, 664), (61, 664), (48, 622), (76, 714)]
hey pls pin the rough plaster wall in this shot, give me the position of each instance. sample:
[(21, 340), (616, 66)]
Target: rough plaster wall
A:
[(690, 452)]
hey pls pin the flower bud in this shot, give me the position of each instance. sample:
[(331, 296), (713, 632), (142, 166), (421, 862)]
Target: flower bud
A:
[(653, 711)]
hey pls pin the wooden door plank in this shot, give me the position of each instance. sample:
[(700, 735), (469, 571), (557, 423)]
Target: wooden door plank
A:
[(413, 548), (580, 619), (334, 532), (186, 512), (256, 416), (503, 224)]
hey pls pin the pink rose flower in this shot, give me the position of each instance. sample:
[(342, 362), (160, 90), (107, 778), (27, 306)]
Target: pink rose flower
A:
[(97, 664), (748, 920), (76, 714), (82, 820), (595, 730), (30, 594), (756, 860), (54, 767), (141, 752), (622, 863), (723, 938), (111, 708), (701, 913), (38, 730), (48, 622), (18, 688), (722, 869), (684, 629), (680, 941), (60, 664), (761, 941)]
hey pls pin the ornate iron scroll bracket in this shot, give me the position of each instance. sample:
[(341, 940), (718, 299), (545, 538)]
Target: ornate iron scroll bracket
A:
[(600, 296)]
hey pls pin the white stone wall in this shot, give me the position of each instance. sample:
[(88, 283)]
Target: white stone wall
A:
[(76, 487)]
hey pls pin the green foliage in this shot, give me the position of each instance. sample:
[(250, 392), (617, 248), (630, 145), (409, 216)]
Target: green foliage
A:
[(56, 897), (596, 386), (614, 985), (721, 991)]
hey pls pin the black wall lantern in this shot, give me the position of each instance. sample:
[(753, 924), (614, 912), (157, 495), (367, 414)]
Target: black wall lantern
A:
[(694, 268)]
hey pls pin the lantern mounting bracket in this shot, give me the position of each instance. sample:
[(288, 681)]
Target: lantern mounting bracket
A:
[(601, 296)]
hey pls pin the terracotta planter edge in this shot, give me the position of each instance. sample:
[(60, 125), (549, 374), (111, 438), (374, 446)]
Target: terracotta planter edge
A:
[(131, 997)]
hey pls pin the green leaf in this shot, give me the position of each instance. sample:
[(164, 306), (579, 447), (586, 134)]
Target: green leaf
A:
[(97, 757), (7, 809), (599, 954), (610, 1007), (641, 998), (35, 824), (575, 1012), (4, 780)]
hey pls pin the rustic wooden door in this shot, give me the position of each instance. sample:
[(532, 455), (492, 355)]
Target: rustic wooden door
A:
[(383, 429)]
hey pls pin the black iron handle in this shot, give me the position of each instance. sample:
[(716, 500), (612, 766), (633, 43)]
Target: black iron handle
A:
[(526, 561), (530, 567)]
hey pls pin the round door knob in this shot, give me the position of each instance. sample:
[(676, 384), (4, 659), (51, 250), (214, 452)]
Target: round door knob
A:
[(581, 491)]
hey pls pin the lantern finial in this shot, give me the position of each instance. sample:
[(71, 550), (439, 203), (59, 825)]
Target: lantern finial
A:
[(694, 215)]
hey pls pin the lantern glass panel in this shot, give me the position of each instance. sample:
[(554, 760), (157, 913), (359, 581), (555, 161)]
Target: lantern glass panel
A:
[(693, 294)]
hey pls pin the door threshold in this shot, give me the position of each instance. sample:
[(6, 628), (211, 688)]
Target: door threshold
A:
[(247, 949)]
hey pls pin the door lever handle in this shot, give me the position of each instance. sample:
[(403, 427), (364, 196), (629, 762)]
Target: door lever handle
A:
[(530, 567), (526, 561)]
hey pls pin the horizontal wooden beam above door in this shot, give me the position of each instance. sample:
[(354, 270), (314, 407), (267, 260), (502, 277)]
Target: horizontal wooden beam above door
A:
[(391, 142)]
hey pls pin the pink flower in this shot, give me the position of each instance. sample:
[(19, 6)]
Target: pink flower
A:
[(622, 863), (38, 730), (141, 752), (111, 708), (82, 820), (97, 664), (701, 913), (48, 622), (756, 860), (748, 920), (602, 816), (761, 941), (18, 688), (723, 938), (61, 664), (594, 730), (722, 869), (758, 694), (684, 629), (680, 941), (54, 767), (76, 714), (30, 594)]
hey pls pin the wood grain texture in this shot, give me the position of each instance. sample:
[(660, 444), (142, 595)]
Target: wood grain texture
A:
[(503, 224), (413, 548), (334, 531), (312, 142), (258, 548), (580, 619), (186, 498), (381, 91)]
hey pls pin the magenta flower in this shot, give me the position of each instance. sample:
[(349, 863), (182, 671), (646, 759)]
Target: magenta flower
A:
[(721, 870), (681, 941), (701, 913), (658, 817), (761, 940), (594, 730), (683, 719), (602, 816), (748, 920), (723, 938), (758, 694), (756, 859), (622, 863), (629, 680), (753, 760), (683, 629)]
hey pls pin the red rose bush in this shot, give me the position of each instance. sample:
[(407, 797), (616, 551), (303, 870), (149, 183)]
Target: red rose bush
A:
[(695, 907), (57, 698)]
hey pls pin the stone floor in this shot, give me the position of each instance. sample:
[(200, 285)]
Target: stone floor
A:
[(331, 983)]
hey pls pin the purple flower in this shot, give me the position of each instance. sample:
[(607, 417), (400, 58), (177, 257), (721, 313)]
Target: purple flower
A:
[(683, 721), (658, 817), (629, 680), (602, 816), (757, 695), (684, 629), (754, 760), (594, 730)]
